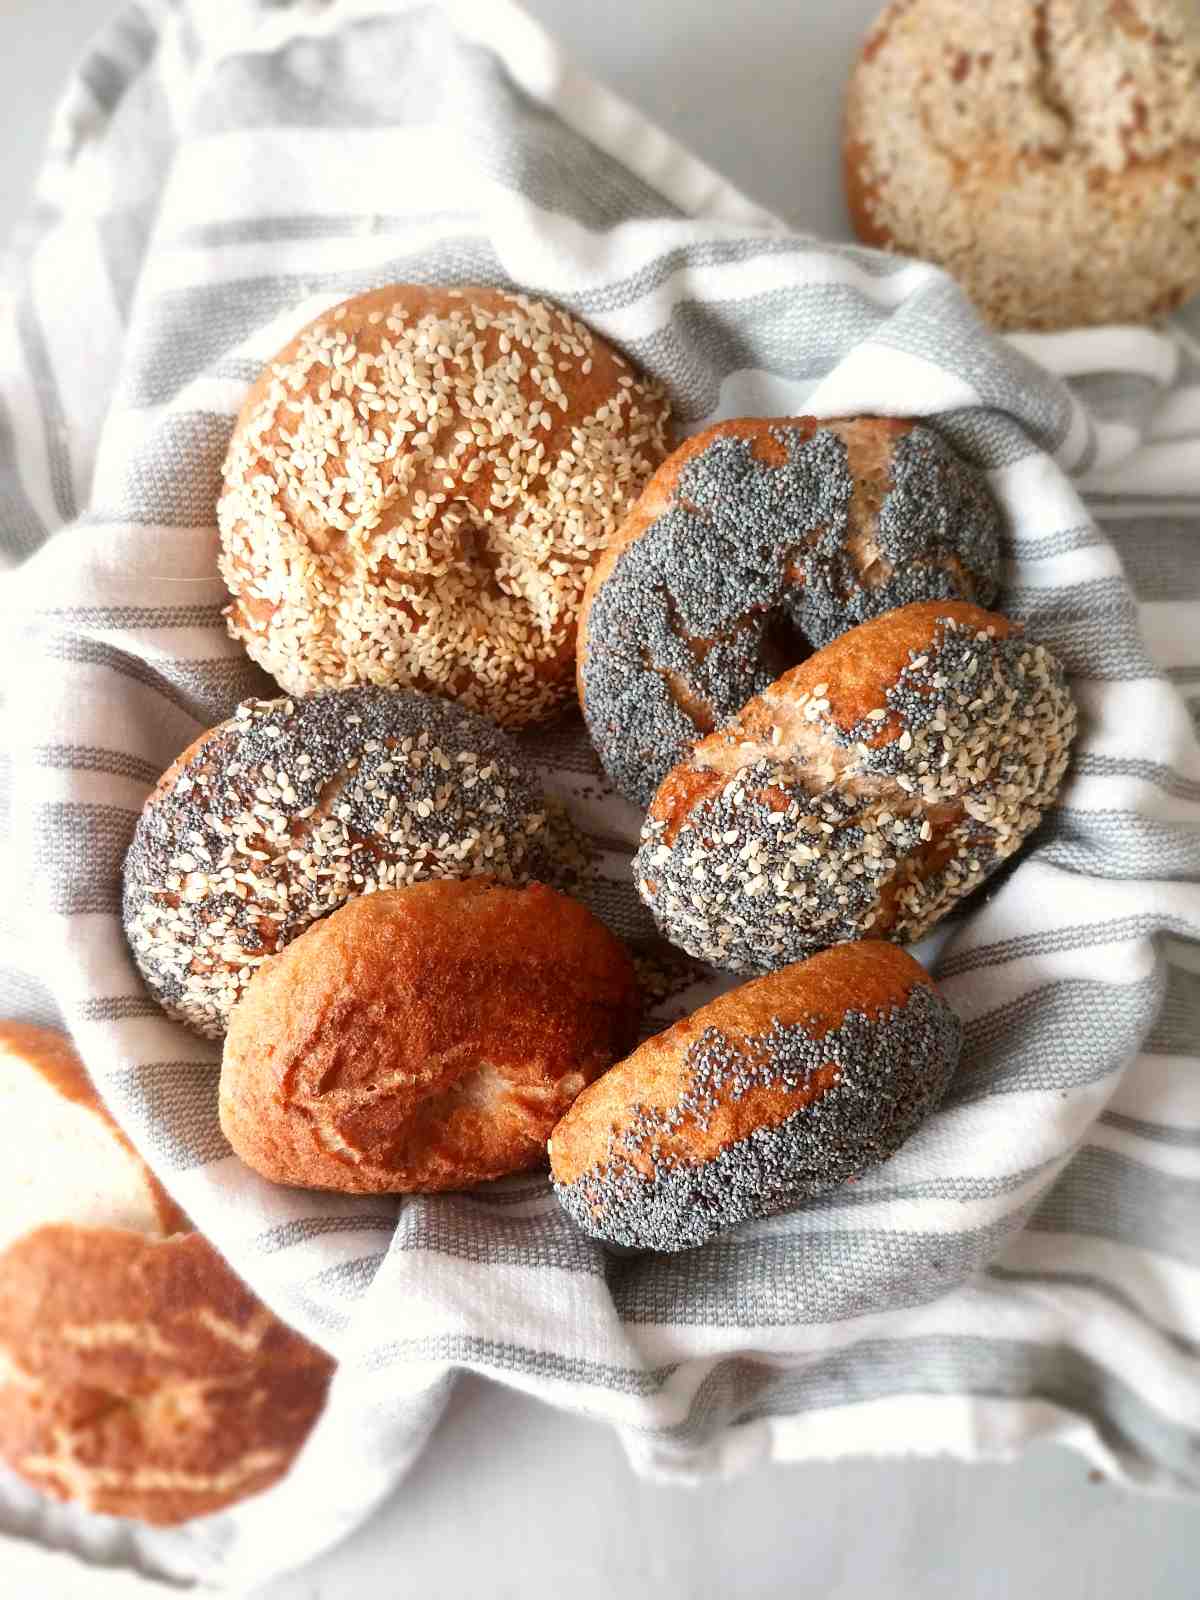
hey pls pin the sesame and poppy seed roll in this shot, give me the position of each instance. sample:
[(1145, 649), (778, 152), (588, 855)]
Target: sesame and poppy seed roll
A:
[(755, 543), (772, 1093), (865, 793), (275, 817), (417, 489), (1048, 155), (424, 1039)]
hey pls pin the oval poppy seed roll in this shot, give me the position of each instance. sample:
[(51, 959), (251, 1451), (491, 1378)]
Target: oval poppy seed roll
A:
[(772, 1093), (863, 795), (755, 543)]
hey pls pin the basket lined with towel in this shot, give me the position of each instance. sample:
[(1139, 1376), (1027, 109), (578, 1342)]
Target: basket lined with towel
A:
[(1028, 1265)]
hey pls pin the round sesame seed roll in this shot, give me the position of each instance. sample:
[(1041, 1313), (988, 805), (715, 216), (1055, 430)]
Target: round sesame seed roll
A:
[(755, 543), (864, 793), (770, 1094), (274, 818), (425, 1038), (417, 489), (138, 1376), (1047, 155)]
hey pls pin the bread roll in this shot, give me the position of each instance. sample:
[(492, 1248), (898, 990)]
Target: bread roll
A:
[(417, 488), (424, 1038), (138, 1376), (770, 1094), (864, 794), (755, 543)]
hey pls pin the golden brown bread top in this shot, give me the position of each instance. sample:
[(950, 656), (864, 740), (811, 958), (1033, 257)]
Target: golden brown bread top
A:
[(871, 977), (425, 1038), (140, 1378), (44, 1127), (417, 487)]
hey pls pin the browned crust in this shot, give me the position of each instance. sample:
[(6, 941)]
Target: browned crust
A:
[(870, 977), (140, 1378), (51, 1054), (424, 1038), (588, 392)]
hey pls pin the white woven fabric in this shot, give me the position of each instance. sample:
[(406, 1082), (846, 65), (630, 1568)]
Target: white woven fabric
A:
[(1029, 1265)]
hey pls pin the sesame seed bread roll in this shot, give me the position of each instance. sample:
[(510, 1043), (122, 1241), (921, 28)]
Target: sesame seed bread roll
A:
[(1048, 155), (138, 1376), (425, 1038), (865, 793), (273, 818), (62, 1157), (755, 543), (772, 1093), (416, 491)]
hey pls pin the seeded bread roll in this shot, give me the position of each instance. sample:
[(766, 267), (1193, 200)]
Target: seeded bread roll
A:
[(417, 488), (755, 543), (425, 1038), (137, 1375), (771, 1094), (273, 818), (1047, 154), (62, 1156), (864, 793), (141, 1379)]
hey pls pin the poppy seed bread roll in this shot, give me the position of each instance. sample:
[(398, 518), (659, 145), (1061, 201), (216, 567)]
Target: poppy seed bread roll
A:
[(756, 542), (425, 1038), (864, 794), (770, 1094)]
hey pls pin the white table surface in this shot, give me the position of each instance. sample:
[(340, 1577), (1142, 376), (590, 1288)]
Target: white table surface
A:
[(512, 1499)]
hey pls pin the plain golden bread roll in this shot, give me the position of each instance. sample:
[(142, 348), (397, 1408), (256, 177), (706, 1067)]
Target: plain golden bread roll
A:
[(417, 489), (62, 1157), (1048, 155), (140, 1378), (425, 1038), (273, 818), (755, 543), (865, 793), (768, 1095)]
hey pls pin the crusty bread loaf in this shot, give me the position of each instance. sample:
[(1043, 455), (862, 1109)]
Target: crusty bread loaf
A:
[(138, 1376), (772, 1093), (424, 1038)]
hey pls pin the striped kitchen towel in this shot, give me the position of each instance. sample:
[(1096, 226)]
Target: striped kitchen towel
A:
[(1029, 1265)]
